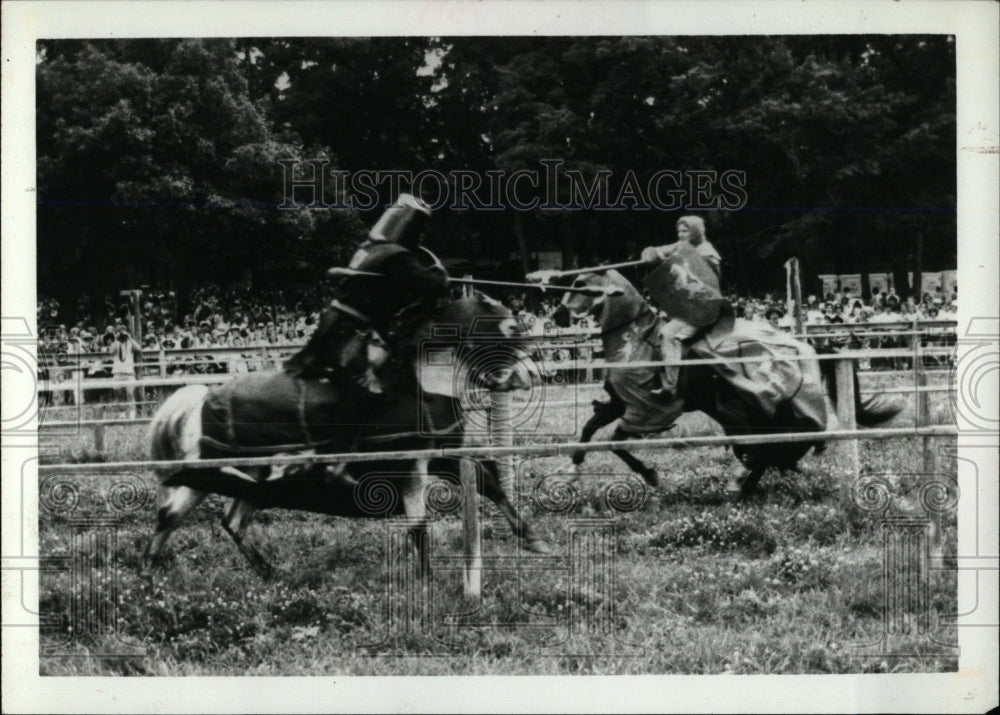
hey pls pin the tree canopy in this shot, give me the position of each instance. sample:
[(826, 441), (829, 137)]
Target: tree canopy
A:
[(159, 160)]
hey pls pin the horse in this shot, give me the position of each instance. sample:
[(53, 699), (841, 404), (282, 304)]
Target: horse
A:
[(771, 396), (426, 413)]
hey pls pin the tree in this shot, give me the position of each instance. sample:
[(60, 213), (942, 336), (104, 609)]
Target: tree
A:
[(154, 164), (166, 152)]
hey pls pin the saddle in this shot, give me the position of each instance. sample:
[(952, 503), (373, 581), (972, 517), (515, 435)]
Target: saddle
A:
[(263, 413)]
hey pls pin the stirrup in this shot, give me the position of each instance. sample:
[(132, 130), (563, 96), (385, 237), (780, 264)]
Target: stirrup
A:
[(289, 470)]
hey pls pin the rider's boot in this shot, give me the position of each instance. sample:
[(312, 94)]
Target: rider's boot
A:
[(671, 349), (333, 475), (668, 384), (344, 424), (349, 415), (363, 393), (663, 392)]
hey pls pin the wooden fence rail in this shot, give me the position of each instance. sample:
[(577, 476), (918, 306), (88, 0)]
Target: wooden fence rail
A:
[(501, 445)]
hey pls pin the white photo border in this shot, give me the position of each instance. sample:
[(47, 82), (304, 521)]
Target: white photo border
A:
[(974, 24)]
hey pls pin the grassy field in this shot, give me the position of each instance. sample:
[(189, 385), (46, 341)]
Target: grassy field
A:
[(788, 582)]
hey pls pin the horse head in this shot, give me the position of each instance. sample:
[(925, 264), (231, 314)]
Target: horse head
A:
[(629, 303), (470, 343)]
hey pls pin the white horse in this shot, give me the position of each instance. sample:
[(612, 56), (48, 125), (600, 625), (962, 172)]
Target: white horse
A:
[(424, 417)]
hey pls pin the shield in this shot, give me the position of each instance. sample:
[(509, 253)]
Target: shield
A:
[(685, 286)]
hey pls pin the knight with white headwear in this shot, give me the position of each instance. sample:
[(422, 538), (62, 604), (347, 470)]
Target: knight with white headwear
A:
[(685, 283)]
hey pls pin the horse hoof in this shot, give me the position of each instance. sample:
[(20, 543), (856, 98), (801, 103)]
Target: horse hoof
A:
[(578, 458), (536, 546), (745, 485), (652, 477)]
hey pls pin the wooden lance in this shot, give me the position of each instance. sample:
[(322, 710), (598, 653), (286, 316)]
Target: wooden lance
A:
[(546, 275), (596, 291)]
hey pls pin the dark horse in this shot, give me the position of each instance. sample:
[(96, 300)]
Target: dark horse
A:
[(426, 414), (772, 396)]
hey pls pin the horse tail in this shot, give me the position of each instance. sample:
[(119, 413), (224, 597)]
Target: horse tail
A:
[(869, 411), (175, 429)]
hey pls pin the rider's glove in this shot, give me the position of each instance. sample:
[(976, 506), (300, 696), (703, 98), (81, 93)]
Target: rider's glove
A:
[(651, 254)]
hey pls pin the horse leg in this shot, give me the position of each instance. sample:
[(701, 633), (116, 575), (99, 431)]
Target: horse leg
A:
[(644, 470), (416, 509), (589, 428), (174, 504), (604, 414), (490, 488), (745, 484), (235, 522)]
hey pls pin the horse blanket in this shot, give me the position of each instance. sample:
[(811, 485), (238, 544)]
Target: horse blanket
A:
[(271, 412), (781, 388), (786, 386), (265, 412)]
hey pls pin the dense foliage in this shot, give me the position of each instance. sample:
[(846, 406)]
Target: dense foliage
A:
[(158, 160)]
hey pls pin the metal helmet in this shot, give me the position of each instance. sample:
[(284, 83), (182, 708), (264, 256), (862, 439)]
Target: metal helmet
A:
[(403, 222)]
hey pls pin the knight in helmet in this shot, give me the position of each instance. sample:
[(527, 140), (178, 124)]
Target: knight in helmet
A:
[(363, 308), (406, 273), (689, 291)]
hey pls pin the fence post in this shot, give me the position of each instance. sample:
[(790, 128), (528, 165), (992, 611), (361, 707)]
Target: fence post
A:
[(502, 435), (929, 453), (587, 354), (470, 524), (163, 362), (797, 296), (131, 392), (99, 430), (848, 449), (78, 376)]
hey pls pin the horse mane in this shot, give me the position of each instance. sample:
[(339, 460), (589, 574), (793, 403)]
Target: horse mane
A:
[(620, 310)]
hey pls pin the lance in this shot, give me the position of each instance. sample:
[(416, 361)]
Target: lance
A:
[(595, 291), (546, 276)]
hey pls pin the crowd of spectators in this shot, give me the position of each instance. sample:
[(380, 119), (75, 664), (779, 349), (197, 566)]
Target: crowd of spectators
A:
[(839, 307), (233, 317), (842, 307), (96, 335)]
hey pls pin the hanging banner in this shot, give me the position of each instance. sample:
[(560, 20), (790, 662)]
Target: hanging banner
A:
[(949, 280), (879, 281), (829, 284), (929, 283), (851, 282)]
